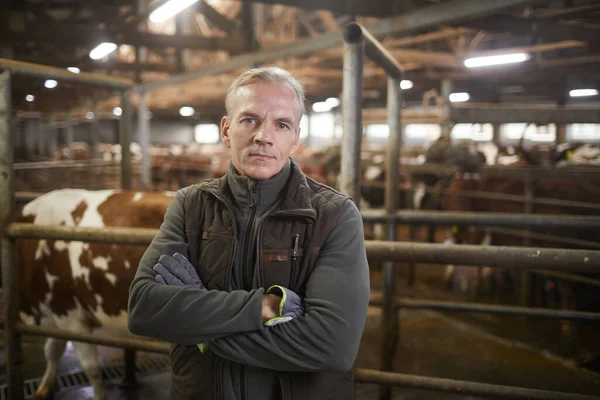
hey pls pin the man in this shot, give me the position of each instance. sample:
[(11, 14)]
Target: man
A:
[(272, 302)]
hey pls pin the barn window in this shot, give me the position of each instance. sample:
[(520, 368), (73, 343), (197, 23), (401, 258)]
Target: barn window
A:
[(585, 132), (421, 134), (475, 132), (304, 126), (534, 133), (207, 133)]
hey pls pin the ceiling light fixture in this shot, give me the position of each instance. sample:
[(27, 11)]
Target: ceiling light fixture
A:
[(476, 62), (186, 111), (169, 9), (51, 83), (406, 84), (102, 50), (459, 97), (583, 92)]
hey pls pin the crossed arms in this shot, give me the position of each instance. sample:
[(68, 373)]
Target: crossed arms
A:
[(325, 337)]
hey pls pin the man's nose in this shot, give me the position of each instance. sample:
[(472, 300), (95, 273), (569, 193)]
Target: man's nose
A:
[(265, 135)]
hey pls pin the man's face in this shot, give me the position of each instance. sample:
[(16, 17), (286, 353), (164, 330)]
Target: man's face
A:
[(262, 129)]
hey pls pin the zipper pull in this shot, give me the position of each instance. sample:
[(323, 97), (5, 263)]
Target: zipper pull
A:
[(295, 252)]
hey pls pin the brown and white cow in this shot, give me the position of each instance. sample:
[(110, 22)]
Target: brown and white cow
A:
[(82, 286), (575, 190)]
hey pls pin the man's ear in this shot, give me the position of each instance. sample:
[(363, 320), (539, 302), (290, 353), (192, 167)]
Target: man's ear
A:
[(296, 141), (225, 131)]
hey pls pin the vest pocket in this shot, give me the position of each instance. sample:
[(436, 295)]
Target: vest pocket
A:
[(277, 267), (215, 259)]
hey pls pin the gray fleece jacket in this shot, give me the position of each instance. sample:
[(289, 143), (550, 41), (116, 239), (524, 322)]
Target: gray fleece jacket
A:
[(337, 295)]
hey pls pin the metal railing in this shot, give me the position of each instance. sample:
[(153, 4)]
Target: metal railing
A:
[(10, 277), (505, 257)]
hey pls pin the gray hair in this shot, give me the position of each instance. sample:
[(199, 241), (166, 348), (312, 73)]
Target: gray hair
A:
[(266, 74)]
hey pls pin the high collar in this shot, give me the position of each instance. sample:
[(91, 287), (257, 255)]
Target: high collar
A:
[(247, 191)]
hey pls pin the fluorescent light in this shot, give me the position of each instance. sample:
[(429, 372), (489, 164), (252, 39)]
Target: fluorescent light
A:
[(51, 83), (321, 106), (89, 115), (459, 97), (102, 50), (496, 60), (74, 70), (117, 111), (30, 98), (170, 8), (186, 111), (333, 102), (207, 133), (406, 84), (583, 92)]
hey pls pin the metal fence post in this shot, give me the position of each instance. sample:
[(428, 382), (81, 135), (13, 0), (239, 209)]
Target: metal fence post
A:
[(354, 58), (125, 139), (390, 312), (10, 272), (526, 276), (144, 141)]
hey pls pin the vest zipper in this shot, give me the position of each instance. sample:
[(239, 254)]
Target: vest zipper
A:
[(246, 255), (220, 362)]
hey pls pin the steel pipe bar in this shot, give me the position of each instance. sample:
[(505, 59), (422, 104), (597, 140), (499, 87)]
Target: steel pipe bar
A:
[(115, 235), (10, 274), (394, 105), (353, 33), (43, 71), (585, 244), (492, 256), (125, 127), (462, 387), (143, 127), (514, 258), (129, 343), (588, 175), (569, 277), (64, 164), (484, 219), (477, 194), (419, 304), (352, 90)]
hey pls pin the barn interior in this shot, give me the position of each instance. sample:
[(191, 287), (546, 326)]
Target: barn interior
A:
[(478, 123)]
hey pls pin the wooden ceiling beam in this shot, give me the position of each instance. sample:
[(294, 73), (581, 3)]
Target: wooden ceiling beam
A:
[(91, 37), (215, 17), (88, 64)]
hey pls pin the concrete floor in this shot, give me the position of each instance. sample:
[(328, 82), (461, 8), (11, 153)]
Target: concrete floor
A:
[(431, 344)]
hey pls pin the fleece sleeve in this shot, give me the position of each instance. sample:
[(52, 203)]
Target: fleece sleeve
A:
[(327, 336), (185, 315)]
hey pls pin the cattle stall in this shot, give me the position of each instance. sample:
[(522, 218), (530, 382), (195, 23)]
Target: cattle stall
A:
[(398, 252)]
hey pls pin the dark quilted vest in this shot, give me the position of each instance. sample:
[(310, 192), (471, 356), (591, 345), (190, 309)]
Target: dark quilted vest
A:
[(308, 209)]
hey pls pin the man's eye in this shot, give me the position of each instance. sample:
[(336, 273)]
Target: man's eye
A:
[(283, 126), (249, 120)]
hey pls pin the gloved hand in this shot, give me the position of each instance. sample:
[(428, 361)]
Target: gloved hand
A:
[(177, 271), (290, 307)]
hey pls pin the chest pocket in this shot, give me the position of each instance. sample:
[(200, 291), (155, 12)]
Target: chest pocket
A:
[(280, 263), (215, 257)]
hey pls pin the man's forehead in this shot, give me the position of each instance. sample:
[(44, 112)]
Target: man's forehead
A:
[(248, 99)]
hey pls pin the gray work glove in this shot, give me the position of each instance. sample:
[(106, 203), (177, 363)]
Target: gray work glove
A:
[(290, 307), (177, 271)]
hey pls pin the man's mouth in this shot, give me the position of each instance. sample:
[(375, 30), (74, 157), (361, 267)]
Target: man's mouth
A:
[(260, 155)]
